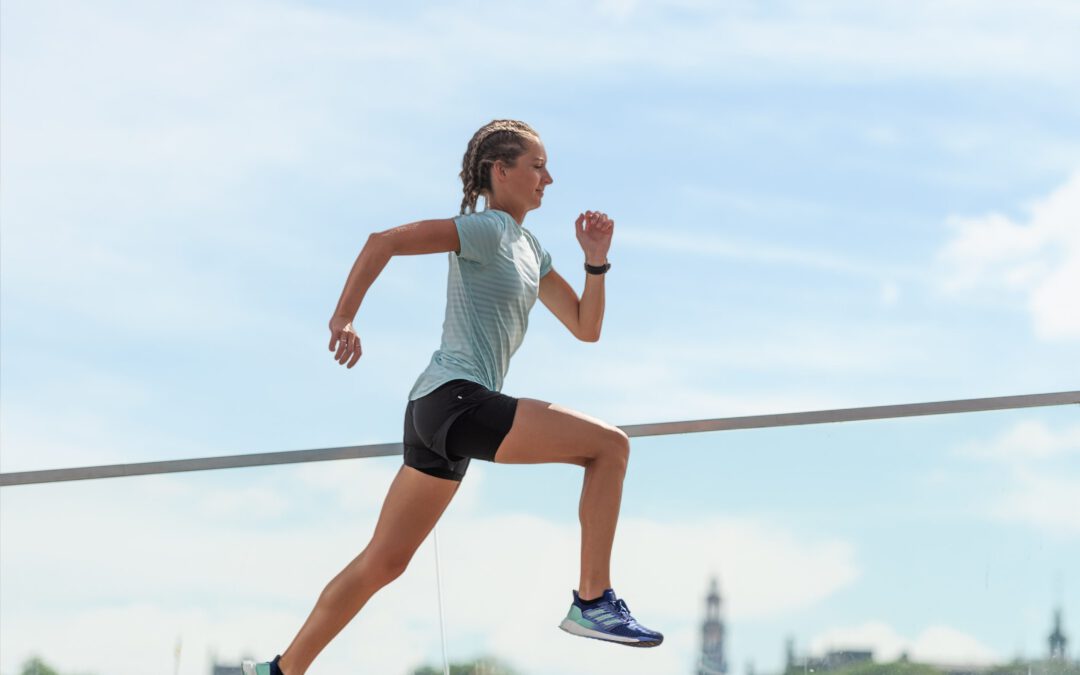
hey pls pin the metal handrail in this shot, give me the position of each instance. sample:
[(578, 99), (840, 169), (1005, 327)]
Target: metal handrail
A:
[(656, 429)]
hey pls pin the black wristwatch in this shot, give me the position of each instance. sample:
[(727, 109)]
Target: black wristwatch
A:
[(602, 269)]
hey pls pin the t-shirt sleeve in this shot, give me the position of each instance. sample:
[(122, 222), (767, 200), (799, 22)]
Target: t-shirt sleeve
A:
[(545, 262), (541, 253), (479, 234)]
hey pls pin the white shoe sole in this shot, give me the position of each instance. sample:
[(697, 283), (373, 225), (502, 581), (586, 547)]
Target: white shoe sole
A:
[(248, 667), (575, 628)]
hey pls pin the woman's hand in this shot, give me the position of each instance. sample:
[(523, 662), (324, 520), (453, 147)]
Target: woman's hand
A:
[(346, 340), (594, 230)]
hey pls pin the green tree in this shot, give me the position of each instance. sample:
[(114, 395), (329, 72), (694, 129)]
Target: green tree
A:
[(483, 666), (896, 667), (35, 666)]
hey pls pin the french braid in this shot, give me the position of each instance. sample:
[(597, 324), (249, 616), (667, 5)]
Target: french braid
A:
[(497, 140)]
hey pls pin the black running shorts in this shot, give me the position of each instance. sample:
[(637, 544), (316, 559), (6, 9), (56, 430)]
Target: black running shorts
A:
[(459, 421)]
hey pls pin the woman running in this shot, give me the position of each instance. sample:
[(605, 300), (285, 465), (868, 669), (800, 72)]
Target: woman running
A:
[(456, 411)]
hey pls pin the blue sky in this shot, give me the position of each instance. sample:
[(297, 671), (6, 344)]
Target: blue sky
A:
[(815, 207)]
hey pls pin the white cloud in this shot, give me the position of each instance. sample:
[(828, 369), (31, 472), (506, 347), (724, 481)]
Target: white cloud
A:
[(889, 294), (829, 39), (683, 381), (1044, 499), (1025, 441), (886, 643), (1037, 259), (1042, 484), (65, 432), (943, 644), (221, 92), (696, 244), (937, 644), (233, 563)]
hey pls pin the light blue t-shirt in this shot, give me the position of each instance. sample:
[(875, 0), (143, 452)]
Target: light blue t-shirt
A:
[(491, 286)]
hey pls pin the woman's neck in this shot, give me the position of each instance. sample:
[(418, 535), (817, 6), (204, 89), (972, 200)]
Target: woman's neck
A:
[(517, 214)]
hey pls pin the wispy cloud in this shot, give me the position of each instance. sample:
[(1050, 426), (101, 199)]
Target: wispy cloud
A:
[(1044, 499), (1026, 441), (696, 244), (835, 39), (1042, 487), (1037, 259)]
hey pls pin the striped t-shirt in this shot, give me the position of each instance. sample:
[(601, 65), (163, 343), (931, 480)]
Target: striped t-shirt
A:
[(491, 286)]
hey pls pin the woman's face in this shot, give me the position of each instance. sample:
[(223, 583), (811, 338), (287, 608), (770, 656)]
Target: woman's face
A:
[(522, 186)]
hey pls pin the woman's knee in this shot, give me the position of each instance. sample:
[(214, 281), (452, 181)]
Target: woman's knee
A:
[(383, 567), (615, 448)]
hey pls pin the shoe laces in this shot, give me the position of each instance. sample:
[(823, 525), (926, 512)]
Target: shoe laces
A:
[(624, 611)]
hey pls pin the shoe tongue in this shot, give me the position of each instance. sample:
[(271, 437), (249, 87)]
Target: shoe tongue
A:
[(609, 595)]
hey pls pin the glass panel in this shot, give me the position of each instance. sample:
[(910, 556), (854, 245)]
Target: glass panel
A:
[(949, 539), (109, 576)]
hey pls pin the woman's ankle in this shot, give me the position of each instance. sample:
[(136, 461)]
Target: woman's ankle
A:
[(277, 667)]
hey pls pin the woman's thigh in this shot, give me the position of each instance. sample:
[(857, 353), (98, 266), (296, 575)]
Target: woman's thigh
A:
[(413, 505), (545, 432)]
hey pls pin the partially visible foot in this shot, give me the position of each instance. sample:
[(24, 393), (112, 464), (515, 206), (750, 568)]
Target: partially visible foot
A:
[(271, 668), (608, 618)]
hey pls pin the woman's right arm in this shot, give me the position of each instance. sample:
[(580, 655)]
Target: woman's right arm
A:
[(424, 236)]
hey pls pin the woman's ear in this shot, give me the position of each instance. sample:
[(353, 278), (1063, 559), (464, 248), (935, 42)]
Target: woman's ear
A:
[(498, 171)]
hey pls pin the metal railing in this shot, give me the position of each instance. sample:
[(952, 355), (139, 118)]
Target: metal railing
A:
[(633, 430)]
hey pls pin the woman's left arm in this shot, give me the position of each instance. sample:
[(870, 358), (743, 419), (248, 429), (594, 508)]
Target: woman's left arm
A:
[(584, 317)]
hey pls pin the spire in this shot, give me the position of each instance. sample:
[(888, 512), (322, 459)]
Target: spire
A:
[(712, 634), (1057, 639)]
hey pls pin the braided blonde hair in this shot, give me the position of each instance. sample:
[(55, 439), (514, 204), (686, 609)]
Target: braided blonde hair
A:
[(497, 140)]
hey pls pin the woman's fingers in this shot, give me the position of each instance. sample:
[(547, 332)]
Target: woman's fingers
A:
[(601, 223), (593, 219), (337, 341), (594, 228), (353, 350), (347, 345)]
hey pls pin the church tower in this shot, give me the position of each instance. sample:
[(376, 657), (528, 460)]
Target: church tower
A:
[(1057, 639), (712, 635)]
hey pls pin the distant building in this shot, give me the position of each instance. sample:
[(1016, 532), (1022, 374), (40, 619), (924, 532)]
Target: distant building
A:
[(842, 658), (836, 659), (712, 660), (1057, 639), (1057, 663)]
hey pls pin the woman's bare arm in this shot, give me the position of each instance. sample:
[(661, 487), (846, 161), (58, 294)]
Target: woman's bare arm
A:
[(563, 301), (583, 316), (424, 236)]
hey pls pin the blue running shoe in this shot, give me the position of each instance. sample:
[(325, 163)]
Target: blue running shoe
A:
[(252, 668), (608, 618)]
